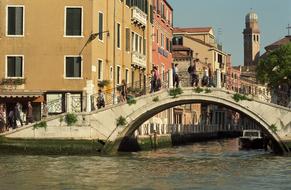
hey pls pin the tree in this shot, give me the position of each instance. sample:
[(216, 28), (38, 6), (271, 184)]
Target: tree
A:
[(275, 68)]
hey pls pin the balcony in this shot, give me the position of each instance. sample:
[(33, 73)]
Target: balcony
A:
[(138, 59), (138, 17), (12, 83)]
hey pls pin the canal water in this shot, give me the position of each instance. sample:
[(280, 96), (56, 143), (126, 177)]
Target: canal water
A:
[(211, 166)]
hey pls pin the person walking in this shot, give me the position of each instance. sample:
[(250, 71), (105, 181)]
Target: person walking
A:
[(44, 111), (100, 99), (123, 91), (193, 76), (153, 80), (29, 115), (210, 76), (17, 116), (158, 79), (176, 76), (2, 119), (205, 78), (11, 119)]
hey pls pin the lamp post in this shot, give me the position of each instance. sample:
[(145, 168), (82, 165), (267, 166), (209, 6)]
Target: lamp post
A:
[(89, 83), (91, 38)]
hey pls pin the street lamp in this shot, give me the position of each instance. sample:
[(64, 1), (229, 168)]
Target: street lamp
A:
[(92, 37)]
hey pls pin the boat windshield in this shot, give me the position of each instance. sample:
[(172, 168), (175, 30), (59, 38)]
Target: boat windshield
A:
[(251, 134)]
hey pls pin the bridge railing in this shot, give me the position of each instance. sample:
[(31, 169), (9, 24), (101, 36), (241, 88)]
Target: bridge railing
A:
[(146, 86), (163, 129), (166, 129), (133, 90)]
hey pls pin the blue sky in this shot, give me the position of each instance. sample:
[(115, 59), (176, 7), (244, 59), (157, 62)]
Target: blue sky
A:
[(229, 15)]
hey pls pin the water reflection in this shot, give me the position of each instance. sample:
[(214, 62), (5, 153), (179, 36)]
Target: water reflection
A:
[(213, 165)]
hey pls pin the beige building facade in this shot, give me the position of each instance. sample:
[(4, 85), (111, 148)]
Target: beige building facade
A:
[(51, 48)]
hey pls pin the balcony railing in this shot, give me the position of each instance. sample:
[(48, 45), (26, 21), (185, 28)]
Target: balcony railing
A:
[(138, 59), (138, 16), (12, 81)]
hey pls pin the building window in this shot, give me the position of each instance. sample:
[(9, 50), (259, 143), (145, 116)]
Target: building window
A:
[(118, 33), (127, 76), (132, 41), (100, 26), (132, 77), (118, 75), (73, 67), (167, 44), (74, 21), (178, 40), (162, 40), (219, 58), (127, 36), (140, 44), (157, 34), (15, 20), (136, 42), (15, 66), (100, 69)]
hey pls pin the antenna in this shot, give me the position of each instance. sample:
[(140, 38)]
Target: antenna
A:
[(288, 28), (219, 34)]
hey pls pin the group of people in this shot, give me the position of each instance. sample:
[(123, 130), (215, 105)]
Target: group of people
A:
[(156, 82), (15, 117), (194, 77), (122, 89)]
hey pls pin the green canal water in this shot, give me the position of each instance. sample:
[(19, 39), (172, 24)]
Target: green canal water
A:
[(211, 166)]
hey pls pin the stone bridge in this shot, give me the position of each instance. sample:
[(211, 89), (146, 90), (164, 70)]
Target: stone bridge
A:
[(103, 123)]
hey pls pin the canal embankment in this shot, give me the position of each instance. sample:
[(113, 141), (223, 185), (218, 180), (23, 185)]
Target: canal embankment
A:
[(154, 141), (50, 146)]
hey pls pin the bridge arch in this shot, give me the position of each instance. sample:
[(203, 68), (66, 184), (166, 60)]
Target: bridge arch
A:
[(152, 108)]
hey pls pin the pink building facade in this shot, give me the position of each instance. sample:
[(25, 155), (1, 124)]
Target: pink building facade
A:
[(162, 35)]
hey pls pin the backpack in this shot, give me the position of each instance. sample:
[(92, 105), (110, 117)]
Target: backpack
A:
[(189, 70)]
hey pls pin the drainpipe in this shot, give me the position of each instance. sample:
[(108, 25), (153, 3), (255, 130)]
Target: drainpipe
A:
[(218, 78), (114, 48)]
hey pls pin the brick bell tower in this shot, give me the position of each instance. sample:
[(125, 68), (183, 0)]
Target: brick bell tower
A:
[(251, 40)]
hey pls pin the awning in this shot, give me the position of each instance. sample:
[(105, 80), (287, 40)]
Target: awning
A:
[(20, 94)]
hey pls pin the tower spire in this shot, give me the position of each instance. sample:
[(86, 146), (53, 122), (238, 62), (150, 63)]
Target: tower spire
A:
[(251, 39)]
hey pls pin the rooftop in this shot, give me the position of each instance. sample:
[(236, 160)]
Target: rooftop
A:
[(283, 41), (192, 30)]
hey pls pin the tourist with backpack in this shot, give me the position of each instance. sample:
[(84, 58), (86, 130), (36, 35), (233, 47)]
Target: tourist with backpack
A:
[(100, 100), (193, 75)]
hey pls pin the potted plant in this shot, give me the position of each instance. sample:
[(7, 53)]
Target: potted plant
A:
[(103, 83)]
